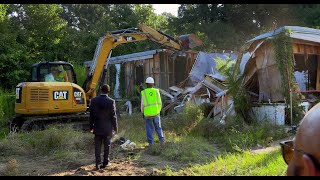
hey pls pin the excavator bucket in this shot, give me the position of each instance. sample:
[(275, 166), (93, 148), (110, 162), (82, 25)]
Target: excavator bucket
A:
[(189, 41)]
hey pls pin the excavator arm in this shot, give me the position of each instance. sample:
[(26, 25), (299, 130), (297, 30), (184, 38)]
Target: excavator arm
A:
[(114, 38)]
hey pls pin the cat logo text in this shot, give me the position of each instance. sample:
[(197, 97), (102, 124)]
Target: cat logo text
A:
[(60, 95)]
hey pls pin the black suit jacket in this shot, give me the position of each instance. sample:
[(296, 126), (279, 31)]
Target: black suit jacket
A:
[(103, 117)]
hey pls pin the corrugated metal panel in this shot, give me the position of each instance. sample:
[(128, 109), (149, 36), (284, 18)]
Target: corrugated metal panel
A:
[(303, 33), (134, 55), (129, 57), (118, 61), (307, 37)]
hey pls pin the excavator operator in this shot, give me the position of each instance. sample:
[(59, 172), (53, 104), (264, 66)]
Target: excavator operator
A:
[(60, 74)]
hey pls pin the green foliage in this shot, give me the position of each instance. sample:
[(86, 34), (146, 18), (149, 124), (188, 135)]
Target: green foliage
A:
[(44, 29), (228, 26), (122, 80), (308, 15), (13, 58), (224, 65), (185, 122), (240, 96), (7, 102), (80, 71), (112, 78), (245, 137), (237, 136), (3, 11), (285, 62)]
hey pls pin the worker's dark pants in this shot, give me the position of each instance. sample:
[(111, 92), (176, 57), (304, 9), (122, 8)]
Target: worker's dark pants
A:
[(98, 141)]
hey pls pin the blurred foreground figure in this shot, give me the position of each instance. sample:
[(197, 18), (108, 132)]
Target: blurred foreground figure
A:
[(302, 154)]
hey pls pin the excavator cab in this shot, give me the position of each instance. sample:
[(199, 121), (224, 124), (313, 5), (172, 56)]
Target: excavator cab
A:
[(53, 72)]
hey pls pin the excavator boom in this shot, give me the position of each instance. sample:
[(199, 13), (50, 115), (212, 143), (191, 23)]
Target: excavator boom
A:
[(114, 38)]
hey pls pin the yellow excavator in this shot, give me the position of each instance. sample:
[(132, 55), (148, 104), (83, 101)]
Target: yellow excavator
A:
[(53, 95)]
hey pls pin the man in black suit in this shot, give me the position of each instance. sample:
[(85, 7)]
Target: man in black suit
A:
[(103, 120)]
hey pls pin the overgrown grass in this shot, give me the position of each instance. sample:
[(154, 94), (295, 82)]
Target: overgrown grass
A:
[(192, 138), (61, 142), (186, 149), (239, 164), (133, 128), (234, 136), (7, 102)]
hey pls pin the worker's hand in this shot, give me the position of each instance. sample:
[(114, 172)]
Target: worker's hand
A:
[(91, 130)]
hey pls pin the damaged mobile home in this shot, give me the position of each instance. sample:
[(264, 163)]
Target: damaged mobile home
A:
[(264, 78), (190, 77)]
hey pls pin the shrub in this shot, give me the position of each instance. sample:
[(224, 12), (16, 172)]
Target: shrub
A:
[(7, 102)]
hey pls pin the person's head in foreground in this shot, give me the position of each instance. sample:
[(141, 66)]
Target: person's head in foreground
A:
[(105, 89), (302, 154)]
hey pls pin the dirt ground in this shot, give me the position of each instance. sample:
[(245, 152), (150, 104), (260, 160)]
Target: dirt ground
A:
[(138, 162), (128, 163)]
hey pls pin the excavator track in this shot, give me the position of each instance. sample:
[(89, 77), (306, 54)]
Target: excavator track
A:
[(26, 124)]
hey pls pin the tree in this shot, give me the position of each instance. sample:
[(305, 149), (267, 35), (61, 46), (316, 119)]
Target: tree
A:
[(42, 29), (13, 56), (229, 26), (308, 14)]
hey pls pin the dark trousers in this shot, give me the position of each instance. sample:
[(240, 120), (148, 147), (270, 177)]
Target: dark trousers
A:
[(98, 141)]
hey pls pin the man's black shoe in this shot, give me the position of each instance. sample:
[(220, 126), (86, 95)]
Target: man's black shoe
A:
[(98, 167), (105, 165)]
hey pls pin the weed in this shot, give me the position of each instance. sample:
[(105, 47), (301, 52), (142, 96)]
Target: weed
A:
[(11, 168)]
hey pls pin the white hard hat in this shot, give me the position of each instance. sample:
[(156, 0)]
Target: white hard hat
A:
[(60, 68), (150, 80)]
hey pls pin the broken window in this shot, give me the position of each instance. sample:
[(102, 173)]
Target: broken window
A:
[(179, 69), (312, 64), (301, 72), (306, 73), (139, 75)]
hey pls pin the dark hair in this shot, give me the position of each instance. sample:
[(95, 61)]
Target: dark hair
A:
[(105, 88)]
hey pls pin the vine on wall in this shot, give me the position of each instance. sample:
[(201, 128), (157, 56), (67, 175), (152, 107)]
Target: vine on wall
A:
[(285, 61), (122, 81), (112, 78)]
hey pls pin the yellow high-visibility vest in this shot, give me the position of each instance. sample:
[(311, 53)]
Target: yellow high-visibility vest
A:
[(151, 101), (61, 76)]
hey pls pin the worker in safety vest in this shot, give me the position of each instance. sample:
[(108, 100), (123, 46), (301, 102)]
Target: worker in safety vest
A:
[(61, 74), (150, 107)]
